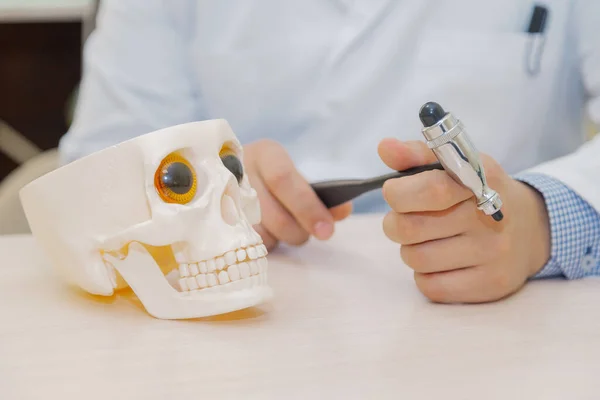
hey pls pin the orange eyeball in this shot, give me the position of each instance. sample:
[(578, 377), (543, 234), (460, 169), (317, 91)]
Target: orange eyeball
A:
[(175, 180)]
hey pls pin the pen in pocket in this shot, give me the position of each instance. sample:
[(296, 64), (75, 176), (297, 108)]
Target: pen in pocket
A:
[(536, 40)]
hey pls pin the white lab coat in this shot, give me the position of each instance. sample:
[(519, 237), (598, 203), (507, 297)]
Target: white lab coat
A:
[(330, 78)]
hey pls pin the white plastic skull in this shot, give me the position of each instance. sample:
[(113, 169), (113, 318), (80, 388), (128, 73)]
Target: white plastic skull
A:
[(169, 214)]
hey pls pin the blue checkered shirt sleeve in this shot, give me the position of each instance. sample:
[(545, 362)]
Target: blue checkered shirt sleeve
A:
[(574, 227)]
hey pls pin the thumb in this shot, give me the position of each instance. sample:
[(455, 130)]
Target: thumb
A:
[(403, 155)]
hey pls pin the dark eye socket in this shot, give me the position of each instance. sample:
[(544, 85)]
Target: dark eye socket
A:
[(234, 165)]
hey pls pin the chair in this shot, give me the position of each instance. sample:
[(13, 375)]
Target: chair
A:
[(12, 216)]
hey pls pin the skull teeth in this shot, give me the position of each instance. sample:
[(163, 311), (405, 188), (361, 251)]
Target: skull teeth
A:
[(211, 265), (212, 280), (253, 267), (252, 253), (234, 273), (225, 270), (184, 270), (202, 267), (241, 254), (223, 278), (202, 282), (192, 283), (230, 258), (222, 262)]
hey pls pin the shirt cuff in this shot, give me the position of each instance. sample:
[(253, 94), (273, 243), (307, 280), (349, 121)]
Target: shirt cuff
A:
[(574, 229)]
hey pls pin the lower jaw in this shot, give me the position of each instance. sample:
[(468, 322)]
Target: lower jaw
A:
[(202, 304), (162, 299)]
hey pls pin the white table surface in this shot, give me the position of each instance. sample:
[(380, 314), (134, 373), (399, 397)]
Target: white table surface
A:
[(45, 10), (347, 323)]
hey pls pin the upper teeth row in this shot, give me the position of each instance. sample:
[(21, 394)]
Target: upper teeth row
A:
[(221, 262)]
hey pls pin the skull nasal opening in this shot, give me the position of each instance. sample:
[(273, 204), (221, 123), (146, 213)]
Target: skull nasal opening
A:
[(230, 202)]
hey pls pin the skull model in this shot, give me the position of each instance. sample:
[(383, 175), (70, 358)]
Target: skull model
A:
[(168, 214)]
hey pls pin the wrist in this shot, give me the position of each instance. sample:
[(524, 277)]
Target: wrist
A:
[(536, 221)]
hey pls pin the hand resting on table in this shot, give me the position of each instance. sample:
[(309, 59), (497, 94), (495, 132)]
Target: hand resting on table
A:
[(459, 254)]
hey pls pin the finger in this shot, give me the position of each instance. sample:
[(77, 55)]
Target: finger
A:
[(341, 212), (428, 191), (403, 155), (450, 253), (269, 240), (286, 184), (276, 220), (413, 228), (471, 285)]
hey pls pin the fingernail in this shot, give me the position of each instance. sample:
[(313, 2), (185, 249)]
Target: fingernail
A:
[(323, 230)]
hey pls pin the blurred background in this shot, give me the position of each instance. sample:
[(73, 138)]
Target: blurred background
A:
[(41, 49), (41, 44)]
